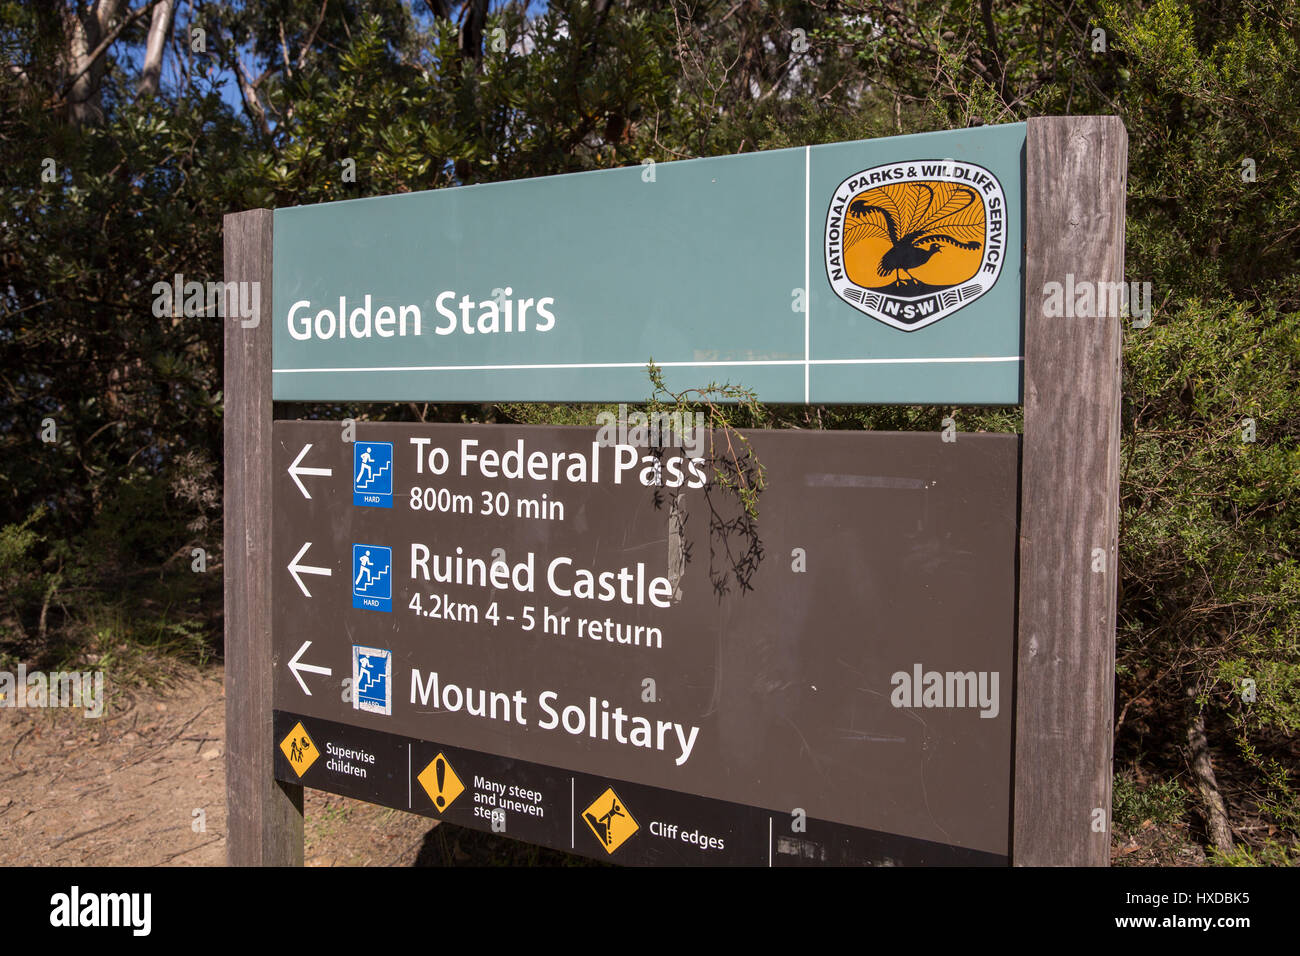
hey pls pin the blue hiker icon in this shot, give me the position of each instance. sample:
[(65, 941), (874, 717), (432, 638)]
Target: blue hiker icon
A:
[(372, 474), (372, 669), (372, 577)]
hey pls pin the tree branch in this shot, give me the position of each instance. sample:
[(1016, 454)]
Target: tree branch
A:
[(104, 44)]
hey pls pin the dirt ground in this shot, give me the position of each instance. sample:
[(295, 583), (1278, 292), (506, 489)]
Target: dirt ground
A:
[(144, 785)]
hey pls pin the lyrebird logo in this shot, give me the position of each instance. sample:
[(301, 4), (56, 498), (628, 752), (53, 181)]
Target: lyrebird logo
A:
[(910, 243)]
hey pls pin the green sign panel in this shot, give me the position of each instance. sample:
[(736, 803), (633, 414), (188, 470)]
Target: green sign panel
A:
[(879, 271)]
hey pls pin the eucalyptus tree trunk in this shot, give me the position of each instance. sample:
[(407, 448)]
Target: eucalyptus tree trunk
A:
[(85, 30), (160, 28)]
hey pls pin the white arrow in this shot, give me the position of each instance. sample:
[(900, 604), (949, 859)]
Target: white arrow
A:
[(295, 471), (295, 667), (295, 568)]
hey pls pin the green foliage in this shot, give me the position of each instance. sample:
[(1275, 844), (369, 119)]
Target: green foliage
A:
[(1271, 853), (1209, 91), (1131, 806), (134, 646), (736, 469), (22, 584), (1209, 529), (561, 413), (566, 105)]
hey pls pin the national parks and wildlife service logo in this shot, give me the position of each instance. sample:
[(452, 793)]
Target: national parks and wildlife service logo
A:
[(910, 243)]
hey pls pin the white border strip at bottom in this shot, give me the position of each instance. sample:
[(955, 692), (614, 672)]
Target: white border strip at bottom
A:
[(582, 365)]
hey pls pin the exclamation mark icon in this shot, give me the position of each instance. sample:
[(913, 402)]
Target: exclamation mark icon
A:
[(441, 783)]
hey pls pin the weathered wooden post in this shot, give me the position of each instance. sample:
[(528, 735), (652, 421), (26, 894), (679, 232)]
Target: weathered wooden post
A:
[(1076, 170), (263, 816)]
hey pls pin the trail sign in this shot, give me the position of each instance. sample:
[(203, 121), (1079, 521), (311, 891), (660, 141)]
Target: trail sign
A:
[(872, 271), (923, 295), (545, 611)]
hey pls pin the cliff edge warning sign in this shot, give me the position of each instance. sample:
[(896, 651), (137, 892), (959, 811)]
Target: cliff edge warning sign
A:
[(610, 820)]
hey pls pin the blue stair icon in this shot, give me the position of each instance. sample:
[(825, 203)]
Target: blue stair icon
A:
[(374, 581), (374, 477), (368, 681)]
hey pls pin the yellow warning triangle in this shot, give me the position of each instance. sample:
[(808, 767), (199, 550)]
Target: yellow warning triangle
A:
[(441, 783)]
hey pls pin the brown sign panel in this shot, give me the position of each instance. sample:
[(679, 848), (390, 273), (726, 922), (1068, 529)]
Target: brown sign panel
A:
[(592, 647)]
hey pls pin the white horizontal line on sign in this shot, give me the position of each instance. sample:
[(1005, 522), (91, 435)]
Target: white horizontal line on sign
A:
[(578, 365), (916, 361)]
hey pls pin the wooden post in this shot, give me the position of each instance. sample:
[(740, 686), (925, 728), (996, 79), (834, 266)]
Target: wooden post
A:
[(1076, 172), (264, 817)]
